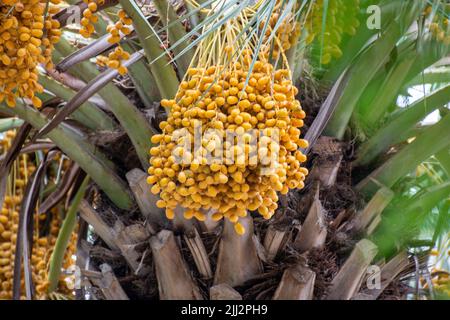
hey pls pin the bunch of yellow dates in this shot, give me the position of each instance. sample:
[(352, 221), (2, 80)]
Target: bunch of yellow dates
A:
[(262, 157), (27, 38)]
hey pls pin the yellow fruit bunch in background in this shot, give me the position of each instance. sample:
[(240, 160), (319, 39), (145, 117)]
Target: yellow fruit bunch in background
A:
[(341, 18), (27, 38), (256, 104), (43, 243), (122, 26), (439, 25), (440, 282), (116, 57), (114, 60), (287, 33), (89, 17)]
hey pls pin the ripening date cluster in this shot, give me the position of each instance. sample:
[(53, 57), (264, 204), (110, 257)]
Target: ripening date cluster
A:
[(115, 58), (89, 17), (218, 98)]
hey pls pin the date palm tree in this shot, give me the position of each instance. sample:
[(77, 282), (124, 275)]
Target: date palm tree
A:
[(373, 78)]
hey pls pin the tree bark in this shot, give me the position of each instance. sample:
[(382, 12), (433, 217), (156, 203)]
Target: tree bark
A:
[(198, 251), (146, 201), (388, 273), (274, 242), (314, 230), (223, 292), (347, 281), (238, 260), (107, 282), (297, 283), (118, 238), (174, 279)]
